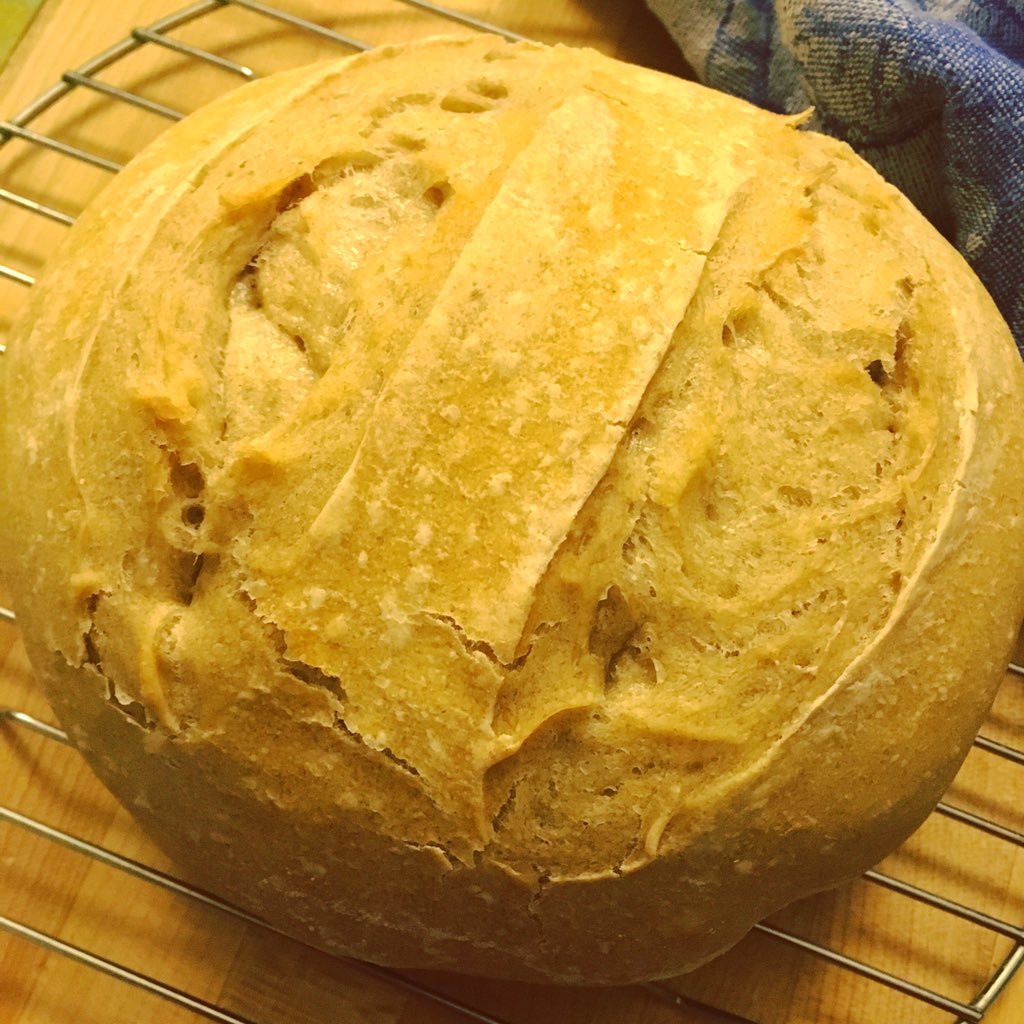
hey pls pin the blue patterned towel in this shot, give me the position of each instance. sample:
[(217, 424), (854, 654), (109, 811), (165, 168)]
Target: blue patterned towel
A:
[(931, 92)]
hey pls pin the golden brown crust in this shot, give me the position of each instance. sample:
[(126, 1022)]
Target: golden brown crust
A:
[(491, 507)]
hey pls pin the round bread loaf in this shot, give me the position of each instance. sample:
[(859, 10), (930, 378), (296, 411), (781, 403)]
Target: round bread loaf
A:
[(491, 507)]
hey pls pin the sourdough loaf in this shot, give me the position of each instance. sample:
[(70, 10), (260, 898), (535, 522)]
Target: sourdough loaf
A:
[(490, 507)]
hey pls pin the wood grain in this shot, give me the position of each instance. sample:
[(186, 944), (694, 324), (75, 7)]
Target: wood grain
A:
[(271, 980)]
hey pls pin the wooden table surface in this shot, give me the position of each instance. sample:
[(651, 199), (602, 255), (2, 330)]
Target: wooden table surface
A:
[(269, 980)]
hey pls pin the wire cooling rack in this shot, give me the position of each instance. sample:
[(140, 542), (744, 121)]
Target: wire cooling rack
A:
[(676, 998)]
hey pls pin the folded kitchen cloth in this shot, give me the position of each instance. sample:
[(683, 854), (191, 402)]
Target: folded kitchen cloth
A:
[(931, 92)]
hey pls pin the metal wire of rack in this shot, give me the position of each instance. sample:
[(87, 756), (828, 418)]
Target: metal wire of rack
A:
[(84, 77)]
